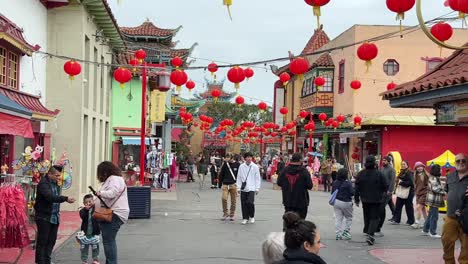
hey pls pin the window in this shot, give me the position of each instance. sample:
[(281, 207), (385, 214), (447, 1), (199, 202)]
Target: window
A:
[(13, 76), (307, 87), (391, 67), (3, 66), (328, 86), (432, 63), (341, 77), (9, 67)]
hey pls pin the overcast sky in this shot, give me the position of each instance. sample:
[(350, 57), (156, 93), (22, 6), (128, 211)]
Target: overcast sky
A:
[(260, 29)]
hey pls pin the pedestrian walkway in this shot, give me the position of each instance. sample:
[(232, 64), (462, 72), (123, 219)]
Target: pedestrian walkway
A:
[(186, 228)]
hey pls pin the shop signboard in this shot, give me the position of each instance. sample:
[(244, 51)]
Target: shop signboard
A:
[(455, 112)]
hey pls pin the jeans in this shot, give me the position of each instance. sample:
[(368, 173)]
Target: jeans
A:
[(229, 190), (109, 234), (46, 238), (302, 212), (85, 252), (247, 205), (451, 232), (343, 216), (371, 216), (431, 222), (408, 203)]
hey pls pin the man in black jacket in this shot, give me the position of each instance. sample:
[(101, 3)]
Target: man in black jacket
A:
[(371, 187), (295, 181), (228, 178), (47, 208)]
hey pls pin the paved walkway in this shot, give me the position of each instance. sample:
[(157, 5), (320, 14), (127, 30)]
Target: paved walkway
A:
[(185, 228)]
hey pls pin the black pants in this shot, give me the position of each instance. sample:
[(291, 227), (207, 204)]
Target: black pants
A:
[(214, 176), (371, 217), (327, 184), (408, 203), (46, 237), (383, 212), (302, 212), (391, 204), (247, 204)]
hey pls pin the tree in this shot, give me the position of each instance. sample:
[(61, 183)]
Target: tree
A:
[(247, 112)]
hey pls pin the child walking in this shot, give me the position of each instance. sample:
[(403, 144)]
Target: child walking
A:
[(89, 234), (343, 205), (435, 199)]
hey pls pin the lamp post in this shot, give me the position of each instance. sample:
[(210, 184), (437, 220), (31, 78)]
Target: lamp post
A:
[(143, 124)]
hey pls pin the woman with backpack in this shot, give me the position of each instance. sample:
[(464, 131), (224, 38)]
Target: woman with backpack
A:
[(343, 205)]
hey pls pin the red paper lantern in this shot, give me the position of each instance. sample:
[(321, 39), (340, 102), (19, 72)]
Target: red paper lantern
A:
[(179, 78), (357, 122), (284, 111), (140, 55), (215, 93), (292, 133), (316, 4), (335, 124), (248, 73), (355, 85), (284, 78), (190, 85), (72, 68), (367, 52), (303, 114), (459, 5), (442, 31), (400, 7), (177, 62), (355, 156), (340, 118), (322, 117), (240, 100), (122, 75), (319, 82), (299, 66), (273, 134), (391, 86), (134, 63), (236, 75), (212, 67), (262, 106)]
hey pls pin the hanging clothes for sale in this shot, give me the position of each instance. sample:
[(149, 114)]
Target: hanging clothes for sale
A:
[(13, 228)]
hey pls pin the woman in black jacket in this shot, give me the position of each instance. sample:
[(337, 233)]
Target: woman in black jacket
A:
[(405, 180), (302, 240)]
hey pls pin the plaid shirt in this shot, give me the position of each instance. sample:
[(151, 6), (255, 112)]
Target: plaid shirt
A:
[(435, 194)]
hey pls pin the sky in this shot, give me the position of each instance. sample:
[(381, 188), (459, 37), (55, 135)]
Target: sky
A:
[(259, 30)]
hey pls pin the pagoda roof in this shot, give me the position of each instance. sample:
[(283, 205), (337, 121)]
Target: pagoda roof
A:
[(215, 84), (13, 34), (149, 30), (178, 102)]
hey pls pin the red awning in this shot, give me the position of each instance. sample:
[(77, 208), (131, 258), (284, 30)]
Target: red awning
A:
[(17, 126), (175, 134)]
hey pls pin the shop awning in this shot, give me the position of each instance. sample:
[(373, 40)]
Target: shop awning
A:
[(8, 106), (134, 141), (17, 126), (358, 134), (400, 120)]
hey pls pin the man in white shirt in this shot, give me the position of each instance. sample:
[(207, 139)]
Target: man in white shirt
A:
[(248, 185)]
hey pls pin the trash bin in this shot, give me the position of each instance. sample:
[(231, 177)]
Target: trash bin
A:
[(139, 201)]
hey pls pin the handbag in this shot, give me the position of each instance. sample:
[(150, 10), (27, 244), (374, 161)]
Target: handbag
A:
[(402, 192), (104, 214), (333, 196), (244, 183)]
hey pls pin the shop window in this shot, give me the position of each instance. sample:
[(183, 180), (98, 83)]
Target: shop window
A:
[(341, 77), (391, 67)]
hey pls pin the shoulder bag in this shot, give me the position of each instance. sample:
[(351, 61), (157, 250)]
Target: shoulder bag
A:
[(402, 192), (230, 170), (104, 214), (244, 183)]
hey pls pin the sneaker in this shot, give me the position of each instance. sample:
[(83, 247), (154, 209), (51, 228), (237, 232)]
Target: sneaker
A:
[(394, 223), (224, 218), (378, 234), (370, 240), (435, 236), (244, 222), (415, 226), (425, 233), (346, 235), (338, 237), (231, 218), (252, 220)]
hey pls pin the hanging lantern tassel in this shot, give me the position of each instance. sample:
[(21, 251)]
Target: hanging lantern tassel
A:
[(401, 16), (178, 88), (368, 65), (228, 3), (317, 13)]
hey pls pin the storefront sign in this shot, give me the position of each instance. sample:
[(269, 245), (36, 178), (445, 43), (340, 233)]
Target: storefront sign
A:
[(343, 140), (158, 106), (452, 112)]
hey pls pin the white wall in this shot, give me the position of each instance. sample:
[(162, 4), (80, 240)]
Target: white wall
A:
[(31, 16)]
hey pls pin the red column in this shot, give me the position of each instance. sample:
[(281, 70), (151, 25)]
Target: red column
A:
[(143, 125), (46, 146)]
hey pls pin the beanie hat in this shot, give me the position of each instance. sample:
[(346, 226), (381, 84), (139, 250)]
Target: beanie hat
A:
[(419, 164)]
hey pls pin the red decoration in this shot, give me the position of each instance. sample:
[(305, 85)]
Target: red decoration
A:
[(442, 31), (319, 82), (367, 52), (310, 127), (240, 100), (122, 75), (299, 66), (140, 55), (316, 4), (248, 73), (303, 114), (179, 78), (177, 62), (400, 7), (292, 133), (459, 5), (357, 122), (335, 124), (134, 63), (72, 68), (215, 93), (284, 78), (262, 106), (391, 86), (340, 118), (284, 111), (190, 85), (355, 156), (212, 67), (355, 85), (236, 75), (322, 117)]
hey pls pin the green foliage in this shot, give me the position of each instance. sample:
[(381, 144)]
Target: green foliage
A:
[(247, 112)]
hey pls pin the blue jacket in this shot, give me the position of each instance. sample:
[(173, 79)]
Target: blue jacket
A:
[(346, 191)]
